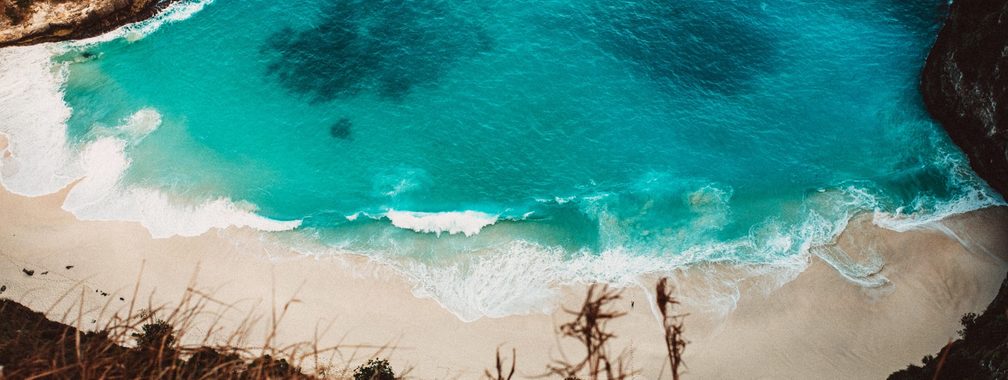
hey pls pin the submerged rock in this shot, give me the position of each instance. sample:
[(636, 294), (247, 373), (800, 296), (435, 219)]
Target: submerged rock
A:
[(341, 129), (965, 85)]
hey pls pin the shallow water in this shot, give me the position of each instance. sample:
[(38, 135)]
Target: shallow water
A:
[(492, 150)]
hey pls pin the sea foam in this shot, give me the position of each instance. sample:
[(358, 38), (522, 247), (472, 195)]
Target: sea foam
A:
[(178, 11), (38, 159), (452, 222)]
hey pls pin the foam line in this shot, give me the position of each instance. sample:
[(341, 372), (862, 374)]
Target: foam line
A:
[(39, 160), (453, 222)]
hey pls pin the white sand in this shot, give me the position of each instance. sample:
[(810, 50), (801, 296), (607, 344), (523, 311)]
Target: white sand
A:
[(820, 325)]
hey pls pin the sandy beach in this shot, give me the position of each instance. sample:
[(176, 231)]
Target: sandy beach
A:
[(821, 324)]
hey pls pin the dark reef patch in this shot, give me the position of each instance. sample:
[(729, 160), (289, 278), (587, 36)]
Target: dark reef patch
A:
[(342, 129), (718, 49), (389, 47)]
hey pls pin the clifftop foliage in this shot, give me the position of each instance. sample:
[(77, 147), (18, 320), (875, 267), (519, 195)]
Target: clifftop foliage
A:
[(981, 352)]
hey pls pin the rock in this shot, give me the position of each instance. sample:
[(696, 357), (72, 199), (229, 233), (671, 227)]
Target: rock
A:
[(965, 85), (341, 129), (38, 21)]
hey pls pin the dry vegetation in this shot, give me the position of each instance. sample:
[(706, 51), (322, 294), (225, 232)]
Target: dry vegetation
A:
[(590, 328), (147, 344)]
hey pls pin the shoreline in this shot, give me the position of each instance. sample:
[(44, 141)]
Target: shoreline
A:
[(84, 20), (903, 299), (931, 275)]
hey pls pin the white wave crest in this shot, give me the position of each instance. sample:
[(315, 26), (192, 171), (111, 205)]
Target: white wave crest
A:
[(141, 124), (178, 11), (453, 222), (100, 196), (975, 198), (33, 117), (38, 159)]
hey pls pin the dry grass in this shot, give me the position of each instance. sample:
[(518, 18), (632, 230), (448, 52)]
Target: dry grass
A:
[(147, 343), (673, 326), (590, 327)]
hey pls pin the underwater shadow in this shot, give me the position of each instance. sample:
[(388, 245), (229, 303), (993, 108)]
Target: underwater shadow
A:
[(388, 47), (714, 48)]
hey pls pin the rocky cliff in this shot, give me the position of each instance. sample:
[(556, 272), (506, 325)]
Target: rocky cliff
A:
[(26, 22), (965, 85)]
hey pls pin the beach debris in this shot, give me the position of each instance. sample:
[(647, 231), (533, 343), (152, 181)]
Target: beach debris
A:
[(341, 129), (3, 288), (28, 272), (69, 267), (104, 294), (44, 273), (122, 299)]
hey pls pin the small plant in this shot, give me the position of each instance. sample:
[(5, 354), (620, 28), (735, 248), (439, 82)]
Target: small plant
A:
[(675, 344), (374, 369), (155, 336), (589, 327), (500, 367)]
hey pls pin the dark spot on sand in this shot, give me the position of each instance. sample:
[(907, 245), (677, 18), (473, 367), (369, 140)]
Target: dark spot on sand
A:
[(28, 272), (69, 267), (122, 299), (384, 47), (3, 288), (341, 129), (104, 294), (44, 273)]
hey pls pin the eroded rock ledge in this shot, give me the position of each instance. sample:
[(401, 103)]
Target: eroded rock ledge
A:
[(965, 85), (26, 22)]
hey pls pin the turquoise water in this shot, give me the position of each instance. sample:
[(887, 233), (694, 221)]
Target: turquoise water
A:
[(678, 131)]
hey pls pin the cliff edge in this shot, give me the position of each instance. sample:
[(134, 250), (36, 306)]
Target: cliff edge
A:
[(965, 85), (26, 22)]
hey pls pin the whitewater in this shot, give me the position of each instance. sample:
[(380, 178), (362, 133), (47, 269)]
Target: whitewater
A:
[(488, 169)]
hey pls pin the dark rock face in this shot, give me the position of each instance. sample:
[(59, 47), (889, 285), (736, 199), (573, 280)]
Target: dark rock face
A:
[(965, 85), (89, 18)]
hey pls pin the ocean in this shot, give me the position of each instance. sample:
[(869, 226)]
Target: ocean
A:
[(492, 151)]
